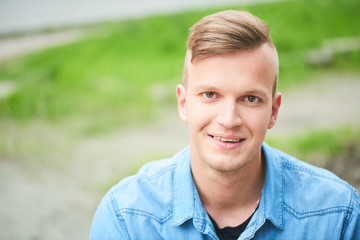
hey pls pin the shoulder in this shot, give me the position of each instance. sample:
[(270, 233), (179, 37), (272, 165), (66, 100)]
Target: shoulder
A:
[(142, 201), (309, 189), (149, 192)]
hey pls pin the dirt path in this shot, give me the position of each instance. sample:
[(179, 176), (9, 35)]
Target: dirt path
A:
[(327, 102), (16, 46)]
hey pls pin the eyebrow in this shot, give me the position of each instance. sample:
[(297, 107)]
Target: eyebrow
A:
[(256, 92), (205, 87)]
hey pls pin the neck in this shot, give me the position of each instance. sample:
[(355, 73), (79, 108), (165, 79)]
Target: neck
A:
[(230, 198)]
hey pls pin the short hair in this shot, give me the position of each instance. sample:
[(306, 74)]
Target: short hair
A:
[(227, 32)]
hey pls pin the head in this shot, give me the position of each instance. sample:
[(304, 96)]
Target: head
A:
[(229, 97)]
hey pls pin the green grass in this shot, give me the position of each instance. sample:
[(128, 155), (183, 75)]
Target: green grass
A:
[(104, 81), (318, 143)]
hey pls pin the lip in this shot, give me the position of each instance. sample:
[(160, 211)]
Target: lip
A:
[(237, 141)]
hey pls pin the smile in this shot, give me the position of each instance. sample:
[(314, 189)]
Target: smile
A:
[(227, 140)]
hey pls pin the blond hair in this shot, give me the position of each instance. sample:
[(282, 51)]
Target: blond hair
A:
[(227, 32)]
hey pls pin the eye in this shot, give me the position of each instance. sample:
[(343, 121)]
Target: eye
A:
[(209, 95), (252, 99)]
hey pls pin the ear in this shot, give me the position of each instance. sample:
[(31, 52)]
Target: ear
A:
[(276, 102), (181, 100)]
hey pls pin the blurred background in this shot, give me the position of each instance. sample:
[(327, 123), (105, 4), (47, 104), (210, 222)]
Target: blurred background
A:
[(87, 95)]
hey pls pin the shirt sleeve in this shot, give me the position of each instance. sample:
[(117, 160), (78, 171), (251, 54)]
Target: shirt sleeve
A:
[(107, 225), (352, 230)]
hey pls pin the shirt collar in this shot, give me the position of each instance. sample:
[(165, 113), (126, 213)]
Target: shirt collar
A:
[(272, 198), (184, 190)]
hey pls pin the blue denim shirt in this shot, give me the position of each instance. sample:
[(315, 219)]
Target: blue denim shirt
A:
[(299, 201)]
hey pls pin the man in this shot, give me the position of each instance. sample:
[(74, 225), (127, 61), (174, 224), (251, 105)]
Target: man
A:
[(229, 184)]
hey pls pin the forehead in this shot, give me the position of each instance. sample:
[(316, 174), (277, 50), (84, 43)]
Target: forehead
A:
[(239, 69)]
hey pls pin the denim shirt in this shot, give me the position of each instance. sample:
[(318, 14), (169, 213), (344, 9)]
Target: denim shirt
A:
[(299, 201)]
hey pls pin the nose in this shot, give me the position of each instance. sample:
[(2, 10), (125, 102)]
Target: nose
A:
[(229, 115)]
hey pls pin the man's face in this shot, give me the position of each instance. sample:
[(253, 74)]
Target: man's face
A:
[(228, 105)]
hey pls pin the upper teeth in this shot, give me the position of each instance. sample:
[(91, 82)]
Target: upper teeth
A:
[(226, 139)]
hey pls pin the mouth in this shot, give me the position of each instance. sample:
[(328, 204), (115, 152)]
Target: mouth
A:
[(228, 139)]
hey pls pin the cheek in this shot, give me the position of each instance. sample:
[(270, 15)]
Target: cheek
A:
[(199, 115), (258, 120)]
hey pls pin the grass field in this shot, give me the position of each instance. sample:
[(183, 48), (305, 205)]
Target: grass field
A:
[(328, 143), (106, 80)]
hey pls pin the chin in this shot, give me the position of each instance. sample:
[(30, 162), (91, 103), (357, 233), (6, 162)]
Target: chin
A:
[(227, 164)]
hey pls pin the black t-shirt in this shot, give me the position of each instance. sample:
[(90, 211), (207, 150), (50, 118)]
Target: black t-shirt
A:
[(230, 233)]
